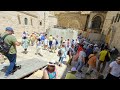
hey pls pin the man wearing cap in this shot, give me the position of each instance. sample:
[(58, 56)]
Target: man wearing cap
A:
[(114, 70), (12, 41), (71, 74)]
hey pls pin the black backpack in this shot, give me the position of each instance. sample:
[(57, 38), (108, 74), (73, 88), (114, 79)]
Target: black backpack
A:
[(4, 47), (107, 58)]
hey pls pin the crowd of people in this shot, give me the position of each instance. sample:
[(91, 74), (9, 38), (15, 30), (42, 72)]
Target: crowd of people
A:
[(81, 51), (94, 57)]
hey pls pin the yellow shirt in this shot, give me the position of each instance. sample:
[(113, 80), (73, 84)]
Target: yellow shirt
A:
[(70, 76), (50, 38), (103, 54)]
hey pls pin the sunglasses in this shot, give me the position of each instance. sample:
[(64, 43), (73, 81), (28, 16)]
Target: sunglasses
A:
[(51, 66), (51, 63)]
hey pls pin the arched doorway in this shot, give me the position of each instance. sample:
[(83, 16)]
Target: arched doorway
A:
[(97, 23)]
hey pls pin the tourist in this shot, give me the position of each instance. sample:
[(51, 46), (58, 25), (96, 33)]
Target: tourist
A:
[(25, 44), (96, 48), (62, 55), (71, 52), (12, 41), (61, 41), (53, 45), (56, 46), (92, 63), (71, 74), (102, 60), (45, 43), (88, 52), (81, 60), (38, 47), (24, 34), (114, 70), (33, 39), (50, 42), (50, 72), (79, 48)]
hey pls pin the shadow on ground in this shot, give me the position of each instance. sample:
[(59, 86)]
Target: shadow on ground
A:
[(4, 69)]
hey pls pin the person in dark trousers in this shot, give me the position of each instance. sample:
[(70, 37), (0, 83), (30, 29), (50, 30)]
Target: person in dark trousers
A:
[(12, 41)]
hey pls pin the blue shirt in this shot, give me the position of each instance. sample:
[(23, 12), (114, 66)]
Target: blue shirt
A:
[(89, 51)]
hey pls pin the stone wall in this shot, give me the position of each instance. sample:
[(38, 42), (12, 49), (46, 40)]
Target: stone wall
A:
[(10, 18), (38, 21), (65, 33), (72, 20), (113, 39)]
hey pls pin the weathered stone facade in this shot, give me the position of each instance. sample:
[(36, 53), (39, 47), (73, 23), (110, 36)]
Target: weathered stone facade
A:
[(74, 20), (100, 17), (111, 28), (20, 21)]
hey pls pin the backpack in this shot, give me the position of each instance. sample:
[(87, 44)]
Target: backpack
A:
[(107, 58), (59, 52), (56, 42), (4, 47)]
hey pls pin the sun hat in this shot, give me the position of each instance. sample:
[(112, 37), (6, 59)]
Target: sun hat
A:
[(51, 63)]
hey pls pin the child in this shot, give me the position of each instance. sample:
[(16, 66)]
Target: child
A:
[(39, 47), (25, 44), (71, 74)]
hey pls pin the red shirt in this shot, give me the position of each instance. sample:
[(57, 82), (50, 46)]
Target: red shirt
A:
[(79, 49)]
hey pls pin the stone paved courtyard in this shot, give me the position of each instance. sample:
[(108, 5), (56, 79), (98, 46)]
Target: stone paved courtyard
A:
[(31, 62)]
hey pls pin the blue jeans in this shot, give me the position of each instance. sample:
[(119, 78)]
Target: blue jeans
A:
[(12, 60), (79, 65), (61, 59)]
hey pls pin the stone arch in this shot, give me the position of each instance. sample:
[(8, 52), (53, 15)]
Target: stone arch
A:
[(97, 22)]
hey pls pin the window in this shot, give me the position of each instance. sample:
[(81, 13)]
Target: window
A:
[(96, 23), (112, 20), (26, 21), (118, 18), (19, 19), (41, 23), (31, 22)]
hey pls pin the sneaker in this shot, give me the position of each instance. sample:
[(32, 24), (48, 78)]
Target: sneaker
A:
[(80, 71), (87, 74), (6, 76)]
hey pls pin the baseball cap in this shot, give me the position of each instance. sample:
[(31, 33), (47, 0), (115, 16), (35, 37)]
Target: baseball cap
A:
[(9, 29), (73, 69)]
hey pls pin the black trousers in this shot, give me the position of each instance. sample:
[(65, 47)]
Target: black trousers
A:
[(109, 76)]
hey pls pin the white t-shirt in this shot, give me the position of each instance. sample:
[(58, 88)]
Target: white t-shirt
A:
[(115, 71), (82, 54), (54, 42), (46, 42)]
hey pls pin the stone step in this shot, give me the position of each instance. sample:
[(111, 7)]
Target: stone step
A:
[(27, 67)]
